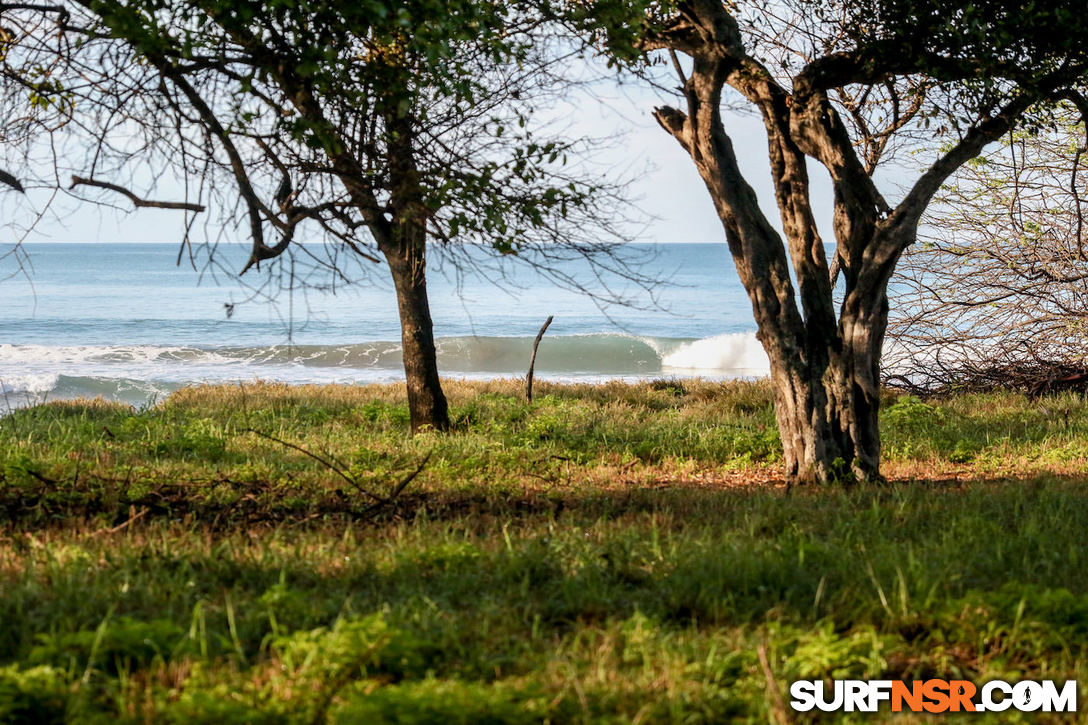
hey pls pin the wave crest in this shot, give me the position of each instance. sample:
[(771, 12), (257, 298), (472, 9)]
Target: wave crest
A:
[(738, 352), (128, 371)]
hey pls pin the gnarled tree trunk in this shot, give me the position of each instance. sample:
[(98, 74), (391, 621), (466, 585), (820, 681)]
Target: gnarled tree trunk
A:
[(827, 413), (825, 379), (824, 367)]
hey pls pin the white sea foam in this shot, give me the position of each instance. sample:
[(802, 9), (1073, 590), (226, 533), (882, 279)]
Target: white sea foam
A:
[(33, 384), (133, 372), (738, 353), (84, 354)]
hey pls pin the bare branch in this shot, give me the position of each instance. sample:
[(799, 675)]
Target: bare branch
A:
[(136, 201), (11, 181), (996, 295), (910, 210)]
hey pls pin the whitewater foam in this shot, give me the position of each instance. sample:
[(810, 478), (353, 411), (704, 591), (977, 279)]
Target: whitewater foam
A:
[(33, 384), (127, 372), (739, 353)]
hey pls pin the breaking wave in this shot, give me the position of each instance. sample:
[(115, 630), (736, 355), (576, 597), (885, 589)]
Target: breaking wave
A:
[(136, 373)]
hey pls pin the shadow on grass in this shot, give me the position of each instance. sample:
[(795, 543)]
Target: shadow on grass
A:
[(164, 559), (450, 598), (222, 503)]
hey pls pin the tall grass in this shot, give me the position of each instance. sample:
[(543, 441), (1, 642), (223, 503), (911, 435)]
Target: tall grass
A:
[(592, 558)]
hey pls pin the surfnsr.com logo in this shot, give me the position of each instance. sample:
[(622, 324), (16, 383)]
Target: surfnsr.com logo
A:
[(933, 696)]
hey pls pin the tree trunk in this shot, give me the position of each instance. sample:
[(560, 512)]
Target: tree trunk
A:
[(828, 421), (427, 405), (405, 249), (824, 370)]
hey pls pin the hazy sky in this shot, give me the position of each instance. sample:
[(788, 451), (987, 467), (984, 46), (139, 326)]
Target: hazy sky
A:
[(665, 183), (671, 190)]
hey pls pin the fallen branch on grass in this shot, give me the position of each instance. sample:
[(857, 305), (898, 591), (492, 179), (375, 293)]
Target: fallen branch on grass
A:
[(44, 479), (379, 501), (132, 516), (325, 462), (400, 486)]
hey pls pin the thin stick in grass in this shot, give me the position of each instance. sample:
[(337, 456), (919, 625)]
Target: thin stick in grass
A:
[(532, 359)]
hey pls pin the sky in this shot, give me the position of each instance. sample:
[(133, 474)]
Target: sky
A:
[(670, 190), (665, 185)]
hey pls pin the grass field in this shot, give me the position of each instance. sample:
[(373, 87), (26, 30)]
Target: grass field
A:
[(615, 553)]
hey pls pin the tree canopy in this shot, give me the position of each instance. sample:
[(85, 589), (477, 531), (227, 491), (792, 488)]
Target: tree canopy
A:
[(376, 127)]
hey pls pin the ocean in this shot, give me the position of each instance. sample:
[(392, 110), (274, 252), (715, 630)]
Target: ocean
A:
[(126, 322)]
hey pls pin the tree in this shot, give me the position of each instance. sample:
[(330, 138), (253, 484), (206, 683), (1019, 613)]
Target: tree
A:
[(996, 293), (19, 124), (845, 84), (379, 126)]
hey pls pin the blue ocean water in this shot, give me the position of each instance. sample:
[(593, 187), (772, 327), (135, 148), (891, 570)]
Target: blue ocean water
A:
[(127, 322)]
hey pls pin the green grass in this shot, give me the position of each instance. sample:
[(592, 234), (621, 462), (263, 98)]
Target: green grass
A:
[(610, 554)]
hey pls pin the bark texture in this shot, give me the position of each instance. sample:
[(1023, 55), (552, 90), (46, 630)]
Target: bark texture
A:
[(427, 405)]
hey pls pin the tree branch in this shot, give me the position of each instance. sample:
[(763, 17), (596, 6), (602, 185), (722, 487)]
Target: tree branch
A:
[(911, 207), (60, 10), (676, 123), (11, 181), (136, 201)]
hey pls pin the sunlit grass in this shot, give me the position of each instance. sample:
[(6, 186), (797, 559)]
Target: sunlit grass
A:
[(610, 554)]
